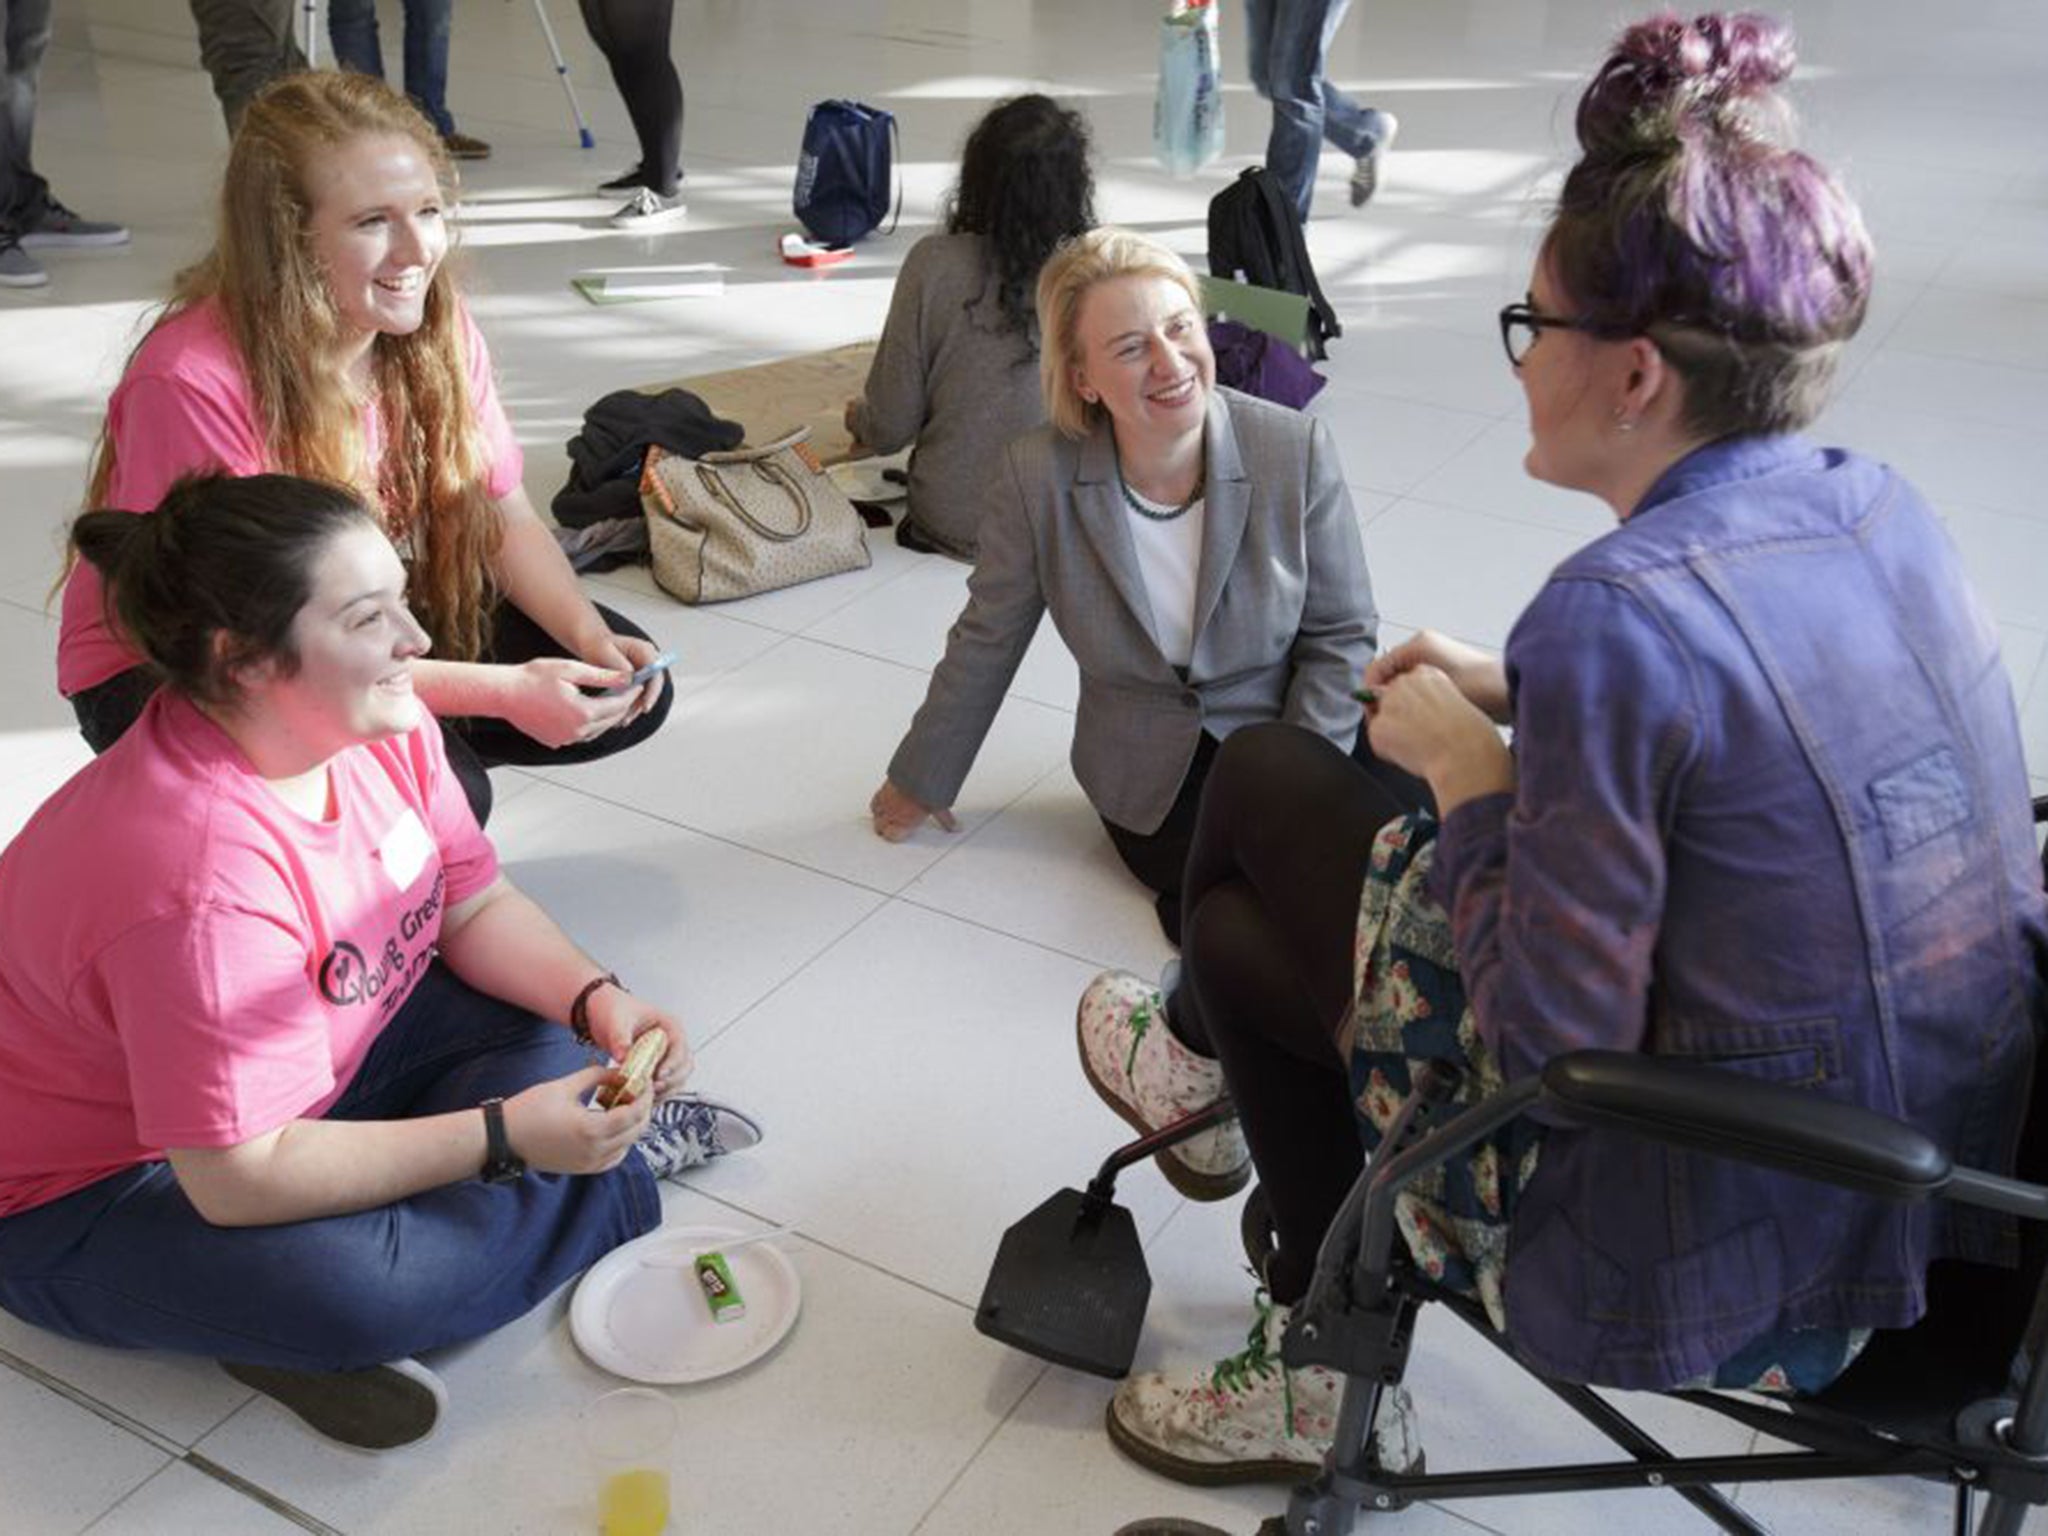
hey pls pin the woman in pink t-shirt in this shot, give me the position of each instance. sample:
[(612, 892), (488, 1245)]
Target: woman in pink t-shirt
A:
[(278, 1078), (323, 335)]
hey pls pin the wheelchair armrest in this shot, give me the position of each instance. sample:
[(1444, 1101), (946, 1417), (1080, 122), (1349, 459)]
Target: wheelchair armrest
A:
[(1691, 1104)]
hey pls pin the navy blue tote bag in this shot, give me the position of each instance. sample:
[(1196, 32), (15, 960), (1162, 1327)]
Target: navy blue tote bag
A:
[(844, 171)]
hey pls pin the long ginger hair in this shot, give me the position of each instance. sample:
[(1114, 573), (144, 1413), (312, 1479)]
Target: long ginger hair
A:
[(274, 297)]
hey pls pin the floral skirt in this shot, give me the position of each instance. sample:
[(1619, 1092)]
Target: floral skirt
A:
[(1409, 1008)]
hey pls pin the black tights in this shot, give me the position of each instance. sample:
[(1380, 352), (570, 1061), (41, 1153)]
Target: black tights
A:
[(1270, 910), (633, 36)]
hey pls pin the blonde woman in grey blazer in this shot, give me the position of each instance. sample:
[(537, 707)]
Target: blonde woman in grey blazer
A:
[(1195, 547)]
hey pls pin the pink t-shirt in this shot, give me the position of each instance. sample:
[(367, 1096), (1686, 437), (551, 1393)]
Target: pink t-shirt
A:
[(185, 961), (183, 406)]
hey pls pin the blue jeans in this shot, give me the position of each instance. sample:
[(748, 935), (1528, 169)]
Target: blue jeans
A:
[(1288, 43), (24, 35), (128, 1262), (352, 29)]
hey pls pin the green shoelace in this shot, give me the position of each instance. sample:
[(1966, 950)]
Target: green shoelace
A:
[(1142, 1017), (1234, 1373)]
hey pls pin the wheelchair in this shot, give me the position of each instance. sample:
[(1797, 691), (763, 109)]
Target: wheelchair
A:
[(1960, 1398)]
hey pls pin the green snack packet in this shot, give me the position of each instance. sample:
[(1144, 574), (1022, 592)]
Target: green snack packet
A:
[(721, 1291)]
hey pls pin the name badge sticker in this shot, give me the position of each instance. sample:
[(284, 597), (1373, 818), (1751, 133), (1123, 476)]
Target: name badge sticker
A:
[(405, 849)]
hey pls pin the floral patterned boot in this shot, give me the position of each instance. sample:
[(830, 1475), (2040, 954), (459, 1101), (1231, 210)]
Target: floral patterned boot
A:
[(1249, 1418), (1133, 1061)]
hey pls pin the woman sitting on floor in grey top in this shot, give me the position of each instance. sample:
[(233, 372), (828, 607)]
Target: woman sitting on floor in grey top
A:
[(957, 366), (1195, 547)]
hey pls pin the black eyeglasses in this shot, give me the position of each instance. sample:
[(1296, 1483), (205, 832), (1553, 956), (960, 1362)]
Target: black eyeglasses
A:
[(1520, 324)]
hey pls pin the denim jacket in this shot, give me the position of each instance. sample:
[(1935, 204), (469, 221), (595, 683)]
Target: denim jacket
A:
[(1770, 812)]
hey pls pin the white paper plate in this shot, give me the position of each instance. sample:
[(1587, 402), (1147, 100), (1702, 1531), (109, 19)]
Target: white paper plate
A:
[(649, 1322), (863, 479)]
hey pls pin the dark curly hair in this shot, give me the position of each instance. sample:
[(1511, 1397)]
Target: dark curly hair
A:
[(1025, 185)]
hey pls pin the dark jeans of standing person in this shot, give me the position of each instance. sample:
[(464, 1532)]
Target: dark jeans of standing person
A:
[(474, 743), (244, 45), (25, 36), (1273, 880), (352, 29), (1288, 46), (1159, 858), (633, 36), (128, 1262)]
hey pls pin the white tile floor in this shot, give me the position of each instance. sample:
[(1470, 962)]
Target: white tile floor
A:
[(899, 1014)]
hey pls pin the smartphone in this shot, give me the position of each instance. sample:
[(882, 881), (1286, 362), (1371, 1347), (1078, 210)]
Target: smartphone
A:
[(653, 669)]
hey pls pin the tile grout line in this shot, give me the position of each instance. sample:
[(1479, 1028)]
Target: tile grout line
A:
[(164, 1443), (256, 1493), (80, 1398), (980, 1450)]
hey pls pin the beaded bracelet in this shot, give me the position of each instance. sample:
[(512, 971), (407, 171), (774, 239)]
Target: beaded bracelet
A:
[(579, 1011)]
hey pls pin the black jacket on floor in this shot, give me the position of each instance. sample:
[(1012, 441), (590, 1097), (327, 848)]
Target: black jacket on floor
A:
[(605, 457)]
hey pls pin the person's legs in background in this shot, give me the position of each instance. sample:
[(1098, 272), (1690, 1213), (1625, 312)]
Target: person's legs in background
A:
[(1258, 43), (244, 45), (633, 36), (429, 25), (352, 29), (30, 217), (24, 34), (1307, 108), (1363, 133), (352, 33)]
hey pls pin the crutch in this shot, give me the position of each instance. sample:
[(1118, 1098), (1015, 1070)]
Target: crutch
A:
[(583, 136), (310, 44)]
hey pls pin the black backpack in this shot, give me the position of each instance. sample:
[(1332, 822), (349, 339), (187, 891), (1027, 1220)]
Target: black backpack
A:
[(1254, 237)]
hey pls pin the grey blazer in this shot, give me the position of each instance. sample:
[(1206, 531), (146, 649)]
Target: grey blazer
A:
[(1284, 621)]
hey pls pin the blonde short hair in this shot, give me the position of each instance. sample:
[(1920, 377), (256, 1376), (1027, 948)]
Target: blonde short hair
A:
[(1075, 266)]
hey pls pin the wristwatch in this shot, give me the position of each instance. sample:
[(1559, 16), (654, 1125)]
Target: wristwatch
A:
[(501, 1164)]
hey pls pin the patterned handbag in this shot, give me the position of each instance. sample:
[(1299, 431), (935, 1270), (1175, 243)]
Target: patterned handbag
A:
[(751, 520)]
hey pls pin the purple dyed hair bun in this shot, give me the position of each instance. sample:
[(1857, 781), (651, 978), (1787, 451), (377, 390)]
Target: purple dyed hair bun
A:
[(1692, 211), (1666, 73)]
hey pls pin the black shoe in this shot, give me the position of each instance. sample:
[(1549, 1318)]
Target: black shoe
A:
[(1255, 1230), (910, 536), (378, 1409), (625, 181)]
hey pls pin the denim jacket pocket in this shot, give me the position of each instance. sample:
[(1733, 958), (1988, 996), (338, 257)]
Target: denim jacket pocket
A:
[(1801, 1052), (1924, 813), (1923, 799)]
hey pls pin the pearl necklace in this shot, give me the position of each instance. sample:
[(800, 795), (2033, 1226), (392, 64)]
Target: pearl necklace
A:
[(1131, 498)]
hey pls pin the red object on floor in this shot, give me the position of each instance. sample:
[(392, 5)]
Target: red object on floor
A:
[(799, 252)]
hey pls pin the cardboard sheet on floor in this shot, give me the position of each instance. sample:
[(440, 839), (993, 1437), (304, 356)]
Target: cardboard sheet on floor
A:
[(808, 390)]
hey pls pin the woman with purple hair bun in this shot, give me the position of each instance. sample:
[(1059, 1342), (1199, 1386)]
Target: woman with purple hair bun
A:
[(1766, 808)]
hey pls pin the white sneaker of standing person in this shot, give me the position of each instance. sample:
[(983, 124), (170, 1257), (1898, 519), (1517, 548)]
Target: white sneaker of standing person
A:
[(1141, 1071), (377, 1409), (1250, 1418), (1365, 174), (648, 210)]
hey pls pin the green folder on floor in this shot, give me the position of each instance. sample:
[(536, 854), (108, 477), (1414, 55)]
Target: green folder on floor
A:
[(1280, 315)]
